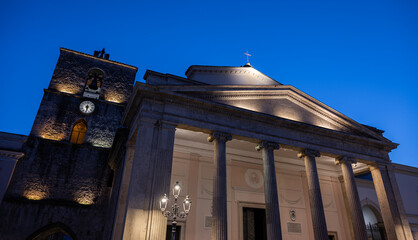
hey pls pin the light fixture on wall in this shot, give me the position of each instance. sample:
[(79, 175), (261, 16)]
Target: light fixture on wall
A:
[(175, 213)]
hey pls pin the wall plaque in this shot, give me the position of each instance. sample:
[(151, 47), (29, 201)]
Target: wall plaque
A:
[(294, 227)]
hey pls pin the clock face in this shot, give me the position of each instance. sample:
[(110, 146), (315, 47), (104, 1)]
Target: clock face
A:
[(87, 107)]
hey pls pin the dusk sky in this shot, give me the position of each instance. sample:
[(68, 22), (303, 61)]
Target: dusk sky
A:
[(358, 57)]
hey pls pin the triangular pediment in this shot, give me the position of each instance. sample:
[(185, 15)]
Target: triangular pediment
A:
[(281, 101)]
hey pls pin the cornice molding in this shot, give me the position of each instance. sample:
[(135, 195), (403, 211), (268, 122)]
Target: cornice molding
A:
[(53, 91), (285, 92), (10, 155), (99, 59)]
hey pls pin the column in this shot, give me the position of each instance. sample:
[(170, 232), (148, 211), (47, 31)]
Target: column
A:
[(150, 179), (274, 231), (354, 205), (315, 199), (219, 212), (388, 202)]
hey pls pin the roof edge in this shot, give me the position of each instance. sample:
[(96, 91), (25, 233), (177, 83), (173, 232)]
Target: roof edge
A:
[(96, 58)]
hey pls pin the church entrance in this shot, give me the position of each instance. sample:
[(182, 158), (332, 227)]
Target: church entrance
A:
[(169, 232), (55, 231), (254, 223)]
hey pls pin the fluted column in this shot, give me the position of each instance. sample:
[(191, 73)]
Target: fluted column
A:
[(219, 212), (354, 205), (274, 231), (315, 199)]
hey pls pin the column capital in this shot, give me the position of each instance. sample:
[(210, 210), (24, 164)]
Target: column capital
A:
[(219, 135), (376, 166), (146, 121), (268, 145), (166, 124), (343, 159), (309, 153)]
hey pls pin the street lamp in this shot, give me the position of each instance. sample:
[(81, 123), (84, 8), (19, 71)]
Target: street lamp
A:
[(187, 204)]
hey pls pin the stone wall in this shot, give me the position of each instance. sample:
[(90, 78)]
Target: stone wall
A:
[(71, 72), (57, 182), (58, 113)]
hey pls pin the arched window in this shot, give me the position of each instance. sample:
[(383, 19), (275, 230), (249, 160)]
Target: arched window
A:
[(79, 132)]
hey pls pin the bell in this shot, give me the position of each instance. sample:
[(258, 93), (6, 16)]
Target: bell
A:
[(93, 85)]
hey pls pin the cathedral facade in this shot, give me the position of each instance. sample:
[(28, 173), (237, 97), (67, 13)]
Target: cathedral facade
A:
[(259, 160)]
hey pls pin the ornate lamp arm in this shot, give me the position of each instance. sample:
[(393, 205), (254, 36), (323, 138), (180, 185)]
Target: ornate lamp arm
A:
[(187, 203)]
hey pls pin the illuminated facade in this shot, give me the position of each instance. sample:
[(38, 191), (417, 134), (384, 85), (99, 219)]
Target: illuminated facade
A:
[(64, 178), (259, 159)]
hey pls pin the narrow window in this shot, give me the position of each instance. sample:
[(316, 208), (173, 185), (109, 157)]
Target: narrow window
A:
[(79, 132)]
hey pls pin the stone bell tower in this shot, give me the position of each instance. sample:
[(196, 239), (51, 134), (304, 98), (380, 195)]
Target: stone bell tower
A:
[(61, 187)]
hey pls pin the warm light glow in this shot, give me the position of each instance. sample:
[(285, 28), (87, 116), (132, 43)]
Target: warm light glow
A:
[(84, 197), (112, 99), (34, 195), (56, 137), (36, 191), (85, 201), (176, 190), (103, 139), (163, 203), (66, 89), (114, 96), (187, 204), (51, 131)]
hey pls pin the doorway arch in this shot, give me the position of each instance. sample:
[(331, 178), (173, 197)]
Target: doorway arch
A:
[(373, 220), (54, 231)]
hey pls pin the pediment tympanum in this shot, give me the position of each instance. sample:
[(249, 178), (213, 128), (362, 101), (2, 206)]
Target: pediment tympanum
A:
[(281, 101)]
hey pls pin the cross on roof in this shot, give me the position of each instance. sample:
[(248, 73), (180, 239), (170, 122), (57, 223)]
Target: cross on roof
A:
[(248, 55)]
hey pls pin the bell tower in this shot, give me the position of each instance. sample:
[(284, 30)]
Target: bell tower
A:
[(64, 176)]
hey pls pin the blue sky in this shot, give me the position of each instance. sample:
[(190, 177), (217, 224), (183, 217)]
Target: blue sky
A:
[(358, 57)]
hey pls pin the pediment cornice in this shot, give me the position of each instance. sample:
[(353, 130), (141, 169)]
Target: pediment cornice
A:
[(199, 109), (339, 121)]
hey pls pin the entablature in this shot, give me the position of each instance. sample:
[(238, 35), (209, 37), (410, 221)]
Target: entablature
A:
[(203, 115)]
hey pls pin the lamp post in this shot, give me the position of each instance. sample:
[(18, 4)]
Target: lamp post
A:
[(187, 204)]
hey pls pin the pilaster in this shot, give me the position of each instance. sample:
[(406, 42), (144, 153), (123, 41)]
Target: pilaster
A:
[(123, 191), (150, 179)]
